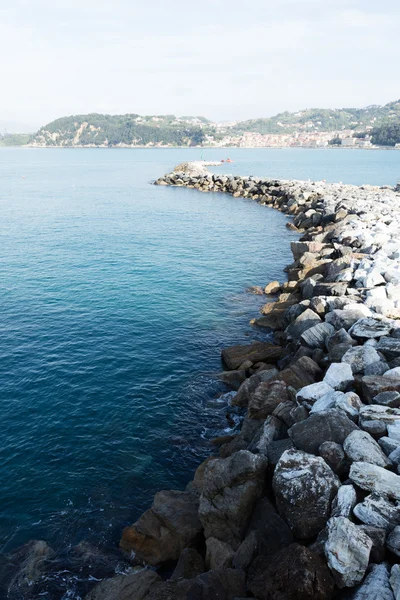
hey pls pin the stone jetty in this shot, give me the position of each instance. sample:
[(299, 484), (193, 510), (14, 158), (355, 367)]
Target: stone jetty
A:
[(304, 502)]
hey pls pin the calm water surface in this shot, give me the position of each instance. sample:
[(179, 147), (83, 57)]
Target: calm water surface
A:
[(116, 299)]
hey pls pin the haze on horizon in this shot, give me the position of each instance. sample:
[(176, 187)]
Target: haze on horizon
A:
[(223, 60)]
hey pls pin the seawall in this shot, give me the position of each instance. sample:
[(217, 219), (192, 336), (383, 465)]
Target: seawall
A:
[(305, 501)]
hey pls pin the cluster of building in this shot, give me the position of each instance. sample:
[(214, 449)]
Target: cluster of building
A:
[(310, 139)]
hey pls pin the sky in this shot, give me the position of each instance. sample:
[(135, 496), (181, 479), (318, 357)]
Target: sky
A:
[(225, 60)]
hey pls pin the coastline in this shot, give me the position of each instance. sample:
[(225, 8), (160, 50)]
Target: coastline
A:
[(322, 419)]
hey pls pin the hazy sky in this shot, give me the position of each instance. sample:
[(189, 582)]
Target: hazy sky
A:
[(217, 58)]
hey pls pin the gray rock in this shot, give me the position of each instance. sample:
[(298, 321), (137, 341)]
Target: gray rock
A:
[(327, 402), (360, 357), (190, 564), (344, 502), (389, 346), (305, 321), (231, 487), (378, 537), (388, 445), (391, 399), (350, 404), (369, 329), (315, 337), (375, 479), (376, 585), (219, 554), (376, 412), (304, 487), (328, 426), (395, 581), (339, 376), (372, 385), (311, 393), (134, 586), (393, 541), (378, 512), (334, 456), (340, 337), (347, 551), (392, 372), (360, 446)]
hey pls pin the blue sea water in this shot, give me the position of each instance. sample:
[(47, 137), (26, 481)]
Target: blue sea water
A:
[(116, 299)]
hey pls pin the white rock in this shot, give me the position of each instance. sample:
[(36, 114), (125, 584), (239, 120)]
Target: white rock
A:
[(388, 444), (349, 403), (316, 336), (394, 431), (360, 357), (395, 581), (347, 551), (310, 393), (376, 412), (375, 479), (344, 501), (393, 372), (370, 328), (326, 402), (376, 585), (339, 376), (378, 512), (361, 446)]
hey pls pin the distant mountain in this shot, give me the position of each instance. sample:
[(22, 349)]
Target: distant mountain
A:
[(15, 127), (167, 130)]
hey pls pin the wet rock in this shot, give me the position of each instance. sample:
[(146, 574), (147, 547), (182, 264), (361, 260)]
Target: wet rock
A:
[(222, 584), (233, 379), (134, 586), (376, 585), (347, 551), (190, 564), (375, 479), (378, 512), (250, 385), (344, 502), (163, 531), (304, 487), (230, 489), (328, 426), (266, 397), (294, 573), (360, 446), (266, 352), (27, 564), (339, 376), (219, 554), (316, 336)]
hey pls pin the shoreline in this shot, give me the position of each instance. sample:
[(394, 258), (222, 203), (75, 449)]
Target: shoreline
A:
[(203, 147), (322, 424)]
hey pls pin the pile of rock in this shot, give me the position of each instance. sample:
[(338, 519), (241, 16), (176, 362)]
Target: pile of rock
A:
[(304, 502)]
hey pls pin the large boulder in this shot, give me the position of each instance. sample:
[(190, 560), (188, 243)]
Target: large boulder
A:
[(375, 479), (266, 397), (361, 446), (163, 531), (301, 373), (250, 385), (304, 488), (378, 512), (294, 573), (134, 586), (231, 487), (328, 426), (347, 551), (372, 385), (235, 356), (376, 585)]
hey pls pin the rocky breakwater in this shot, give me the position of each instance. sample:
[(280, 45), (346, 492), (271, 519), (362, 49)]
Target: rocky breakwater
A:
[(304, 502)]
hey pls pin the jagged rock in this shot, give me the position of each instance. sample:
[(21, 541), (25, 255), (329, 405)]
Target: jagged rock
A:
[(294, 573), (347, 551), (311, 393), (376, 585), (250, 385), (345, 319), (273, 429), (350, 404), (222, 584), (393, 541), (134, 586), (391, 399), (266, 398), (333, 454), (389, 346), (375, 479), (163, 531), (303, 372), (284, 411), (378, 511), (305, 321), (247, 551), (360, 446), (234, 356), (276, 448), (344, 501), (376, 412), (273, 533), (230, 489), (219, 554), (339, 337), (337, 288), (304, 487), (339, 376), (361, 357), (378, 537), (327, 402), (395, 581), (233, 379), (328, 426), (190, 564), (316, 336), (369, 329)]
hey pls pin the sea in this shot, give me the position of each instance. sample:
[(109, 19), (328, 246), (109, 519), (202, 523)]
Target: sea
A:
[(116, 299)]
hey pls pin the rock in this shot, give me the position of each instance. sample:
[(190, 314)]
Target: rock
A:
[(328, 426), (365, 329), (344, 502), (233, 379), (299, 248), (378, 512), (389, 346), (219, 554), (247, 551), (376, 412), (393, 372), (378, 537), (304, 487), (360, 446), (311, 393), (163, 531), (391, 399), (339, 337), (31, 561), (346, 319), (316, 336), (393, 541), (333, 454), (395, 581), (222, 584), (337, 288), (375, 479), (303, 372), (273, 288), (347, 551), (350, 404), (376, 585), (305, 321), (388, 445), (339, 376), (250, 385), (275, 450), (134, 586), (266, 352), (190, 564), (266, 397), (327, 402), (361, 357), (294, 573), (255, 289), (230, 489)]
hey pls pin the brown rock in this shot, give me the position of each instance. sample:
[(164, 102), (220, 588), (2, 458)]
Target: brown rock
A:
[(273, 288), (234, 356), (372, 385), (190, 564), (267, 396), (303, 372)]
